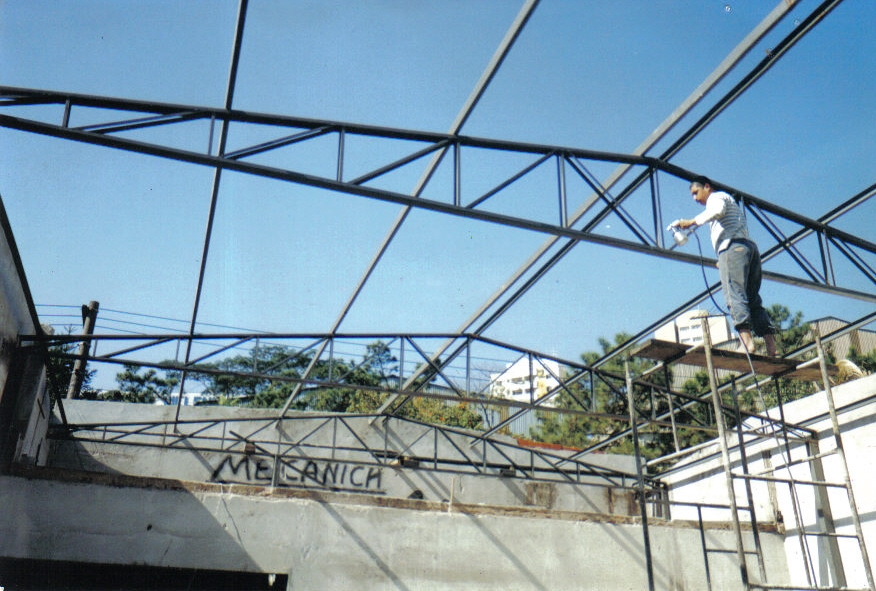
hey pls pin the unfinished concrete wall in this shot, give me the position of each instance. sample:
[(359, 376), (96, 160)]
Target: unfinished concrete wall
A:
[(326, 453), (128, 504), (343, 541), (701, 479), (24, 408)]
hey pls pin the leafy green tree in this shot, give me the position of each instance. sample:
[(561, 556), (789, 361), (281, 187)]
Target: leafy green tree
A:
[(137, 384), (606, 399), (275, 374), (433, 411), (246, 379), (380, 362), (793, 333), (60, 369), (427, 410)]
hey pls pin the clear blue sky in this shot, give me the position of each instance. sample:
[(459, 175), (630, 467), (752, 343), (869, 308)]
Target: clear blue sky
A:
[(97, 224)]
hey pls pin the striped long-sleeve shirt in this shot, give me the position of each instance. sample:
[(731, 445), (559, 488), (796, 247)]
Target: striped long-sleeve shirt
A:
[(725, 219)]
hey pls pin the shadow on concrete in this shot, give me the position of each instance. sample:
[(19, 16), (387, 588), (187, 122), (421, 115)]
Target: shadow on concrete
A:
[(40, 575), (98, 520), (519, 564), (391, 576)]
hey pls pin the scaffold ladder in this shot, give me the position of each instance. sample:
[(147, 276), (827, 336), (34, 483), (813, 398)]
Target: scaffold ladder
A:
[(818, 482)]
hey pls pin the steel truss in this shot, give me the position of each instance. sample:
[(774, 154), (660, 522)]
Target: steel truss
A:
[(579, 201), (575, 202), (646, 236), (315, 436), (460, 377)]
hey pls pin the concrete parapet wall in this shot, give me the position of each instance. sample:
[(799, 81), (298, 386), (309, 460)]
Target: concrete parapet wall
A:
[(328, 453), (340, 541)]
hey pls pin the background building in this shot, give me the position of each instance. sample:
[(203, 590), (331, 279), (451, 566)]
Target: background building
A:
[(526, 380), (688, 329)]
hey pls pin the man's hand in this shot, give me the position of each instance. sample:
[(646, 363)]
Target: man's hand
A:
[(684, 224)]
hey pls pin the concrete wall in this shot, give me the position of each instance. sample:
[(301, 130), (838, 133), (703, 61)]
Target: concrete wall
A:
[(15, 304), (344, 541), (326, 452), (701, 479), (24, 408), (113, 503)]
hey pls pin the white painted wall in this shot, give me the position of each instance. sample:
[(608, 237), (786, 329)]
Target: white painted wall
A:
[(702, 479)]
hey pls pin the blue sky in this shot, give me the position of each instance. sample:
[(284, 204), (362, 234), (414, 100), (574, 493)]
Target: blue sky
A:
[(125, 229)]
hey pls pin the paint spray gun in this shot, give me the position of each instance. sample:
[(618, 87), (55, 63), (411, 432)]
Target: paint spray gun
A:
[(679, 235)]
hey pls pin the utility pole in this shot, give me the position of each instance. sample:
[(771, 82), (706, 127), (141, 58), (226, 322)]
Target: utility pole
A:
[(89, 317)]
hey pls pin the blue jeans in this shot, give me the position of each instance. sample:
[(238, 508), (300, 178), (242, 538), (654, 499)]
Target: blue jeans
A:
[(739, 266)]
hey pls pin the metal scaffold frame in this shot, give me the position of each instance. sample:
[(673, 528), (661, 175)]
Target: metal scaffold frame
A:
[(749, 435)]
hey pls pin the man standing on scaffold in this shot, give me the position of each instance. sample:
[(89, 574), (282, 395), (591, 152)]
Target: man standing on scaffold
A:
[(738, 262)]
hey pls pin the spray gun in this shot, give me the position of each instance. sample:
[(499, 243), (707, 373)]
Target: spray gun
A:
[(678, 234)]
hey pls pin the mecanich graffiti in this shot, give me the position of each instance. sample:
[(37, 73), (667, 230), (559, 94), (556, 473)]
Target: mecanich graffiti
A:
[(307, 472)]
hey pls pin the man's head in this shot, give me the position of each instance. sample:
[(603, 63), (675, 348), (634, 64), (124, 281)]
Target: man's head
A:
[(700, 189)]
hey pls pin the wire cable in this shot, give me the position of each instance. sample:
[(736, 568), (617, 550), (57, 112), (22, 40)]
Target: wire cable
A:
[(705, 279)]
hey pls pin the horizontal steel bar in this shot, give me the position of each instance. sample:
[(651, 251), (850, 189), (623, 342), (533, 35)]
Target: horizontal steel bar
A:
[(789, 480)]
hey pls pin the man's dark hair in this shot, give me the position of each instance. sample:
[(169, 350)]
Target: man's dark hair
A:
[(701, 180)]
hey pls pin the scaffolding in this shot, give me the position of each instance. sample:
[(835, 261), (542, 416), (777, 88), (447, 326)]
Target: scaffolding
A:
[(748, 435)]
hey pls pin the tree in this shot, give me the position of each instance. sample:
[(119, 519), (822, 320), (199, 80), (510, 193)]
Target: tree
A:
[(426, 410), (606, 399), (793, 333), (245, 379), (380, 362), (59, 369), (134, 386), (335, 385)]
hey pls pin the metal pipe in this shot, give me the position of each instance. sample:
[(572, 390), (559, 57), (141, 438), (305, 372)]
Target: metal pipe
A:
[(716, 76), (838, 441), (464, 113), (89, 317), (640, 488), (725, 456), (743, 455), (214, 196)]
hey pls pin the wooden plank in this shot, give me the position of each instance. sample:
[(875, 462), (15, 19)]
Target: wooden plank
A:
[(657, 350), (810, 371), (735, 361), (672, 352)]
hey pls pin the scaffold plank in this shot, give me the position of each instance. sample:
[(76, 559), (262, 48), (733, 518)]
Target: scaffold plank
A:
[(672, 352)]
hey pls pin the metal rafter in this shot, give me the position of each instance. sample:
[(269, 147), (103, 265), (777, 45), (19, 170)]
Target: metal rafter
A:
[(219, 435), (640, 242)]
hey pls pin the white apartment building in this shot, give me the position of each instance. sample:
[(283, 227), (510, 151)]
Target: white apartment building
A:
[(189, 399), (687, 329), (525, 380)]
